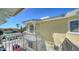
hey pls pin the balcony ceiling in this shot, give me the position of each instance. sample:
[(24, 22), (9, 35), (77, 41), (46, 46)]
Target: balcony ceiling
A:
[(8, 12)]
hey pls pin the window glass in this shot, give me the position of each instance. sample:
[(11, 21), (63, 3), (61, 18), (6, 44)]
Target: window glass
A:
[(74, 26), (30, 44), (31, 28)]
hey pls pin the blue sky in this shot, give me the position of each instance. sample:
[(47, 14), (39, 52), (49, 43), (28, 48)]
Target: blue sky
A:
[(33, 13)]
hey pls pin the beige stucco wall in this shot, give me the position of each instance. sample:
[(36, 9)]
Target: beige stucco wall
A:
[(46, 29), (59, 38)]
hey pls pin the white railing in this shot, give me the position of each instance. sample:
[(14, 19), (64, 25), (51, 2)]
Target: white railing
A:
[(30, 49), (11, 39), (36, 39), (32, 37), (20, 39)]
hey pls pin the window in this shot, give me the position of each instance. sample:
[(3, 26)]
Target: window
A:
[(31, 28), (74, 26), (30, 44)]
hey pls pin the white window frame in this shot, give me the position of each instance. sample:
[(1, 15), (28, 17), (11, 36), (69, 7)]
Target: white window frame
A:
[(69, 25)]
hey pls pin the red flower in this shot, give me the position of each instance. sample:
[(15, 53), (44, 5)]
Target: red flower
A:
[(16, 47)]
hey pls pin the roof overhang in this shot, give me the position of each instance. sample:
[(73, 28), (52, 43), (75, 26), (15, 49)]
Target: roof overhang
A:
[(8, 12), (2, 21)]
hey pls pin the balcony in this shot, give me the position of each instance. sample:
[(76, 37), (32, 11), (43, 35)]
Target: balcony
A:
[(35, 42), (11, 39), (23, 41)]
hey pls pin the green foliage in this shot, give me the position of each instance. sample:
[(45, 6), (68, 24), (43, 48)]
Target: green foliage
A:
[(22, 29), (17, 25), (1, 32)]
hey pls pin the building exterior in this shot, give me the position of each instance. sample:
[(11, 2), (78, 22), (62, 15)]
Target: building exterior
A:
[(34, 39), (59, 33)]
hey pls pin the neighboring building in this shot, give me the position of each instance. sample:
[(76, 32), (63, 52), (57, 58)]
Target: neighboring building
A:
[(58, 33)]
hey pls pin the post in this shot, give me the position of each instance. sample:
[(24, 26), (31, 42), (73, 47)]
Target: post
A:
[(36, 37), (1, 41), (78, 21)]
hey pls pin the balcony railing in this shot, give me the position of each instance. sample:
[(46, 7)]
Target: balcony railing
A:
[(36, 39), (9, 40), (19, 39), (30, 49), (32, 37)]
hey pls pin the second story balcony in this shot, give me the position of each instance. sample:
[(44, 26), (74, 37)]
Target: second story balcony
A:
[(35, 41)]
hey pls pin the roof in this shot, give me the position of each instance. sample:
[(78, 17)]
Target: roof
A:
[(73, 12), (62, 16), (31, 20), (59, 17)]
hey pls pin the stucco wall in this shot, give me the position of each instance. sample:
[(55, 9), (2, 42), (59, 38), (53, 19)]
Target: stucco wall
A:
[(47, 28), (72, 39)]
